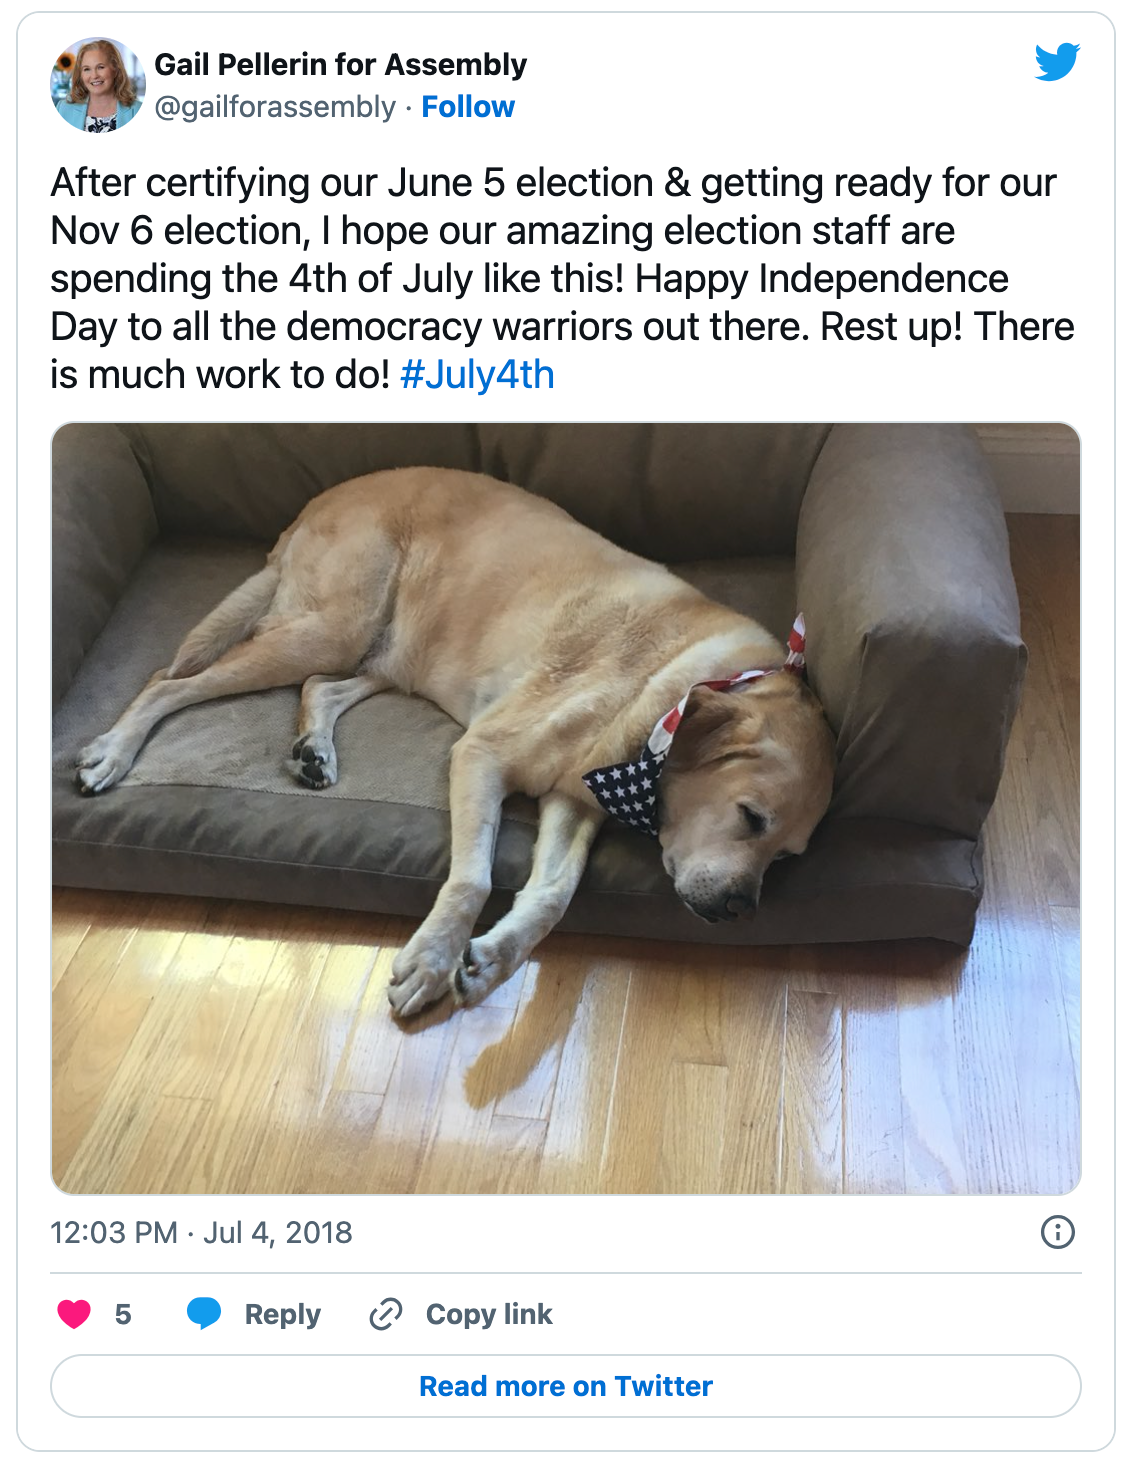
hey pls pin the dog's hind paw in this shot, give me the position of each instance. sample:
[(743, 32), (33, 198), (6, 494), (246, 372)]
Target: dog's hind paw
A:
[(99, 766), (315, 761)]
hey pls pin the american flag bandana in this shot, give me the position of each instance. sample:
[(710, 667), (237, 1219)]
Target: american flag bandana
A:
[(628, 789)]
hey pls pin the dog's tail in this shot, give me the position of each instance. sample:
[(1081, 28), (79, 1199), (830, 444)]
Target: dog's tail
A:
[(231, 621)]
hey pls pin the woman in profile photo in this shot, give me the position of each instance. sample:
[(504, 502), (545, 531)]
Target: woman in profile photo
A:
[(103, 97)]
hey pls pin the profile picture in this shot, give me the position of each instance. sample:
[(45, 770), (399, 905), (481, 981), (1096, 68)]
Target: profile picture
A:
[(97, 85)]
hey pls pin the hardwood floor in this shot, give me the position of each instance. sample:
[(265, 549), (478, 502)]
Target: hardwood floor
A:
[(224, 1047)]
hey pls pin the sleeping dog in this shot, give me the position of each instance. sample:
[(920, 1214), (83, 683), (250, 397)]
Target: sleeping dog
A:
[(574, 667)]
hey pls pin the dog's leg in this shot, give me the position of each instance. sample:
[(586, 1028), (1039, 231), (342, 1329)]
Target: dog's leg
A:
[(566, 831), (324, 700), (283, 655), (422, 970)]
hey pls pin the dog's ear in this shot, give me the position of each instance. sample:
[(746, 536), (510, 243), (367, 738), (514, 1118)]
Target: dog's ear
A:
[(707, 715), (706, 706)]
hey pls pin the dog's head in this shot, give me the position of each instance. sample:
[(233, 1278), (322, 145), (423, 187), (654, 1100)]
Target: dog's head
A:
[(747, 780)]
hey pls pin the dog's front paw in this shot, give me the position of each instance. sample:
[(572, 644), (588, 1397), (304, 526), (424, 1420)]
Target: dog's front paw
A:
[(100, 765), (419, 980), (483, 965), (316, 762)]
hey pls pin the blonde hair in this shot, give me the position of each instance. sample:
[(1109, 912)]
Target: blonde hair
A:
[(124, 89)]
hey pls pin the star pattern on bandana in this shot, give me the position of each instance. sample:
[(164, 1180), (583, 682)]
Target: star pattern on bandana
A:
[(629, 790)]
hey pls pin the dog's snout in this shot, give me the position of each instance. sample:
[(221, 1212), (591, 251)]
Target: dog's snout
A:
[(730, 906)]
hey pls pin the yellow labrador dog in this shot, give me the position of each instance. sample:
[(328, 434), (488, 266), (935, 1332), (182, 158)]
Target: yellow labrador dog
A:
[(557, 651)]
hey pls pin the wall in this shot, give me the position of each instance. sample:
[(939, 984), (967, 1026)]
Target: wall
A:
[(1037, 466)]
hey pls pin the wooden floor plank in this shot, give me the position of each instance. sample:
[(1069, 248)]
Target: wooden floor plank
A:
[(84, 980), (200, 1051), (932, 1122), (1066, 926), (755, 1052), (873, 1096), (303, 1080), (1039, 1025), (694, 1100), (154, 992), (161, 1158), (518, 1143), (459, 1157), (241, 1120), (1045, 555), (326, 1159), (391, 1160), (519, 1073), (95, 1101), (71, 914), (631, 1161), (812, 1152), (371, 1048), (587, 1071), (990, 1102)]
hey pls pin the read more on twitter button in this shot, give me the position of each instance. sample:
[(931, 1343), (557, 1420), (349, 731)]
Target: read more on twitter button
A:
[(566, 1386)]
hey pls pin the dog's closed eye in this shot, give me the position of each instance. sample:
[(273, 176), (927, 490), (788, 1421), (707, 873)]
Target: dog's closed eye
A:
[(756, 821)]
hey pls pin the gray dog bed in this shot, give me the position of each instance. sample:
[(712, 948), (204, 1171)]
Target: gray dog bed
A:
[(891, 539)]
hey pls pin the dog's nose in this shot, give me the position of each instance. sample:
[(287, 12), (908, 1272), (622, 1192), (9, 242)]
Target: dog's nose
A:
[(731, 907)]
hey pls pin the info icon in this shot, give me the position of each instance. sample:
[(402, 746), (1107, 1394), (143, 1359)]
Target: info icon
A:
[(1058, 1232)]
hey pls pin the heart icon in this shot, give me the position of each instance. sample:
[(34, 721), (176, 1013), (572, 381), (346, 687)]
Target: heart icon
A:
[(74, 1312)]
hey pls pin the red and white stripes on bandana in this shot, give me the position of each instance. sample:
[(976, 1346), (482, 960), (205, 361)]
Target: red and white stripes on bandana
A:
[(628, 790)]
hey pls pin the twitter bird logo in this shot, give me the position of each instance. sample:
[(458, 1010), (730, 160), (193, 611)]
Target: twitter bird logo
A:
[(1059, 65)]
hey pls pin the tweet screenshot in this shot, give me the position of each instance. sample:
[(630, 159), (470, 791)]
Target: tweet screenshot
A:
[(562, 804)]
